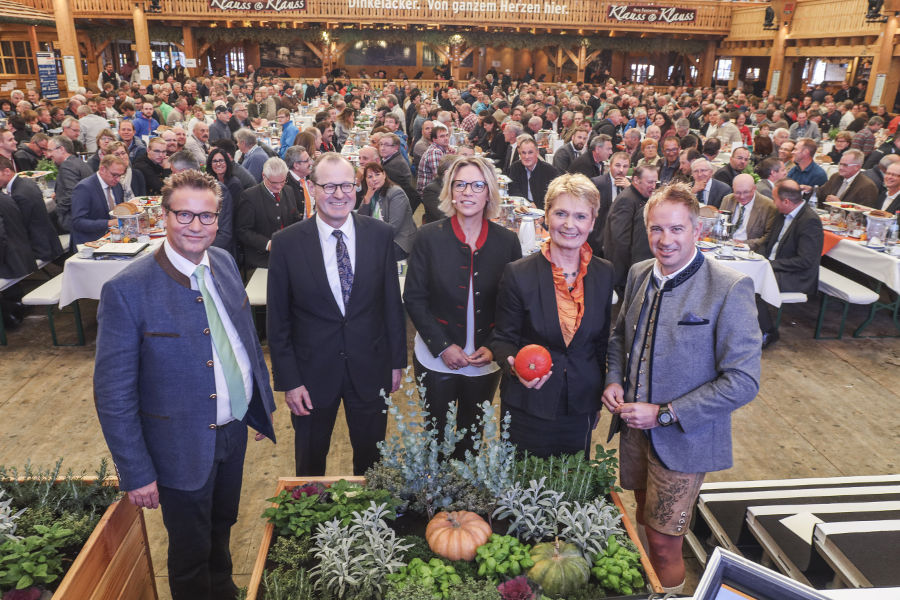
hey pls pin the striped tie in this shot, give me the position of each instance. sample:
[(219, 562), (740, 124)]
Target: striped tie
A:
[(233, 378)]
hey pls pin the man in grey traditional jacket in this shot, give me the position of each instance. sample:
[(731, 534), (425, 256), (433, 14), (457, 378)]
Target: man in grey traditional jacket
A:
[(684, 354)]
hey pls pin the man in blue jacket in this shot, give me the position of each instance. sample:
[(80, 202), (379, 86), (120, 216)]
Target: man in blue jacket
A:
[(179, 376)]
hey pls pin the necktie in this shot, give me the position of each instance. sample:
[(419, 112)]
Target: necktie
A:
[(843, 188), (345, 269), (528, 175), (233, 378), (701, 198), (739, 220), (307, 202), (110, 200)]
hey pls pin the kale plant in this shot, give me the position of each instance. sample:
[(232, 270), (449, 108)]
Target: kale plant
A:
[(531, 511), (589, 526), (8, 518)]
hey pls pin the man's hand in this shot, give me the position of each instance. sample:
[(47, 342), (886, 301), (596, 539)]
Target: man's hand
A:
[(454, 357), (396, 375), (613, 397), (298, 401), (640, 415), (622, 182), (532, 384), (832, 198), (481, 357), (145, 497)]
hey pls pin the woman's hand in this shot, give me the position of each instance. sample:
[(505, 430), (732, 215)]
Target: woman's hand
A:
[(481, 357), (534, 384), (370, 192), (454, 357)]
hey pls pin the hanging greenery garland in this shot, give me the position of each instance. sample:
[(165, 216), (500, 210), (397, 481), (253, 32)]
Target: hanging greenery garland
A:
[(158, 33)]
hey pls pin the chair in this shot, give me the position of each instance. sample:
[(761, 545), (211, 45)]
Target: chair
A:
[(47, 295), (789, 298), (844, 290), (257, 290)]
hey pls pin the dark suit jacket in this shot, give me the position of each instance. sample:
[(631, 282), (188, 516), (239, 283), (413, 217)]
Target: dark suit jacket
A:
[(717, 191), (540, 180), (154, 175), (895, 205), (44, 240), (527, 314), (564, 157), (149, 322), (90, 210), (862, 191), (312, 343), (796, 263), (258, 217), (585, 165), (25, 159), (605, 187), (71, 171), (16, 257), (726, 175), (759, 221), (398, 171), (625, 236), (606, 126)]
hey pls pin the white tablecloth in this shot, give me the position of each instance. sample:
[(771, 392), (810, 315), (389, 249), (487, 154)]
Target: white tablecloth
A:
[(879, 265), (760, 271), (84, 277)]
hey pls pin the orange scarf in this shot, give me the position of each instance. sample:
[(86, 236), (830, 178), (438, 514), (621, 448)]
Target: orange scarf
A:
[(569, 304)]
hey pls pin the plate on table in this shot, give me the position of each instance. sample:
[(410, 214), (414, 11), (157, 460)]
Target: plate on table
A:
[(528, 211), (34, 174), (835, 229), (751, 255), (848, 206), (706, 246), (875, 247)]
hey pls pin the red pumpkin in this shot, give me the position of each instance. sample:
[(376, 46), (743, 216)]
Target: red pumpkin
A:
[(533, 362)]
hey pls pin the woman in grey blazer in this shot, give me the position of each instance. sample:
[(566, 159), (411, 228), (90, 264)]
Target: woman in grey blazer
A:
[(384, 200)]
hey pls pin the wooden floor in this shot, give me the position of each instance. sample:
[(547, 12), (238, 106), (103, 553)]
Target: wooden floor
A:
[(826, 408)]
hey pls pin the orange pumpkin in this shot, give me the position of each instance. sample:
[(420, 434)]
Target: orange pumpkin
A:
[(456, 535)]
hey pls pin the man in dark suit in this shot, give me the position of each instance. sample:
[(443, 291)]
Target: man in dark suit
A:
[(752, 214), (71, 170), (263, 210), (336, 325), (153, 166), (93, 198), (511, 134), (625, 236), (179, 376), (299, 165), (567, 153), (889, 200), (30, 153), (16, 257), (397, 167), (794, 249), (735, 166), (530, 176), (708, 190), (610, 126), (610, 185), (592, 163), (847, 185), (28, 197), (770, 170)]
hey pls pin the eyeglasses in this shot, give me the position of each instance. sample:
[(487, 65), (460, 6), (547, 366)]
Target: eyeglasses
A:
[(460, 186), (331, 188), (186, 217), (216, 161), (273, 181)]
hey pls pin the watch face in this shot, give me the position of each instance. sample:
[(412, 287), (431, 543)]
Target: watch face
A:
[(664, 417)]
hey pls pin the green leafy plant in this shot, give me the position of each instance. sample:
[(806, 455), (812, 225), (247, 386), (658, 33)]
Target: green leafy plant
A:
[(491, 463), (289, 585), (503, 556), (299, 510), (589, 526), (618, 569), (291, 552), (357, 558), (579, 480), (436, 575), (59, 492), (33, 560), (833, 133)]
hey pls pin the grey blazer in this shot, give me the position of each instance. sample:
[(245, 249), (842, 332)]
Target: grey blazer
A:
[(764, 187), (396, 212), (71, 171), (759, 221), (705, 359)]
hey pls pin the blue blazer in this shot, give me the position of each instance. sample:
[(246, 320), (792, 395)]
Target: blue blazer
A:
[(90, 211), (153, 387)]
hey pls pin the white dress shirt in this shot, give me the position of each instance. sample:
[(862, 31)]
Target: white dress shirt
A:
[(887, 199), (329, 253), (104, 187), (788, 219), (223, 400)]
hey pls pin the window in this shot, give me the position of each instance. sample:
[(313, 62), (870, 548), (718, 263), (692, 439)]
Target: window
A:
[(723, 69), (751, 74), (234, 61), (694, 72), (16, 58), (642, 72)]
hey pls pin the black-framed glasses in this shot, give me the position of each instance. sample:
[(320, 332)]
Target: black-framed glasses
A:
[(331, 188), (186, 217), (460, 186)]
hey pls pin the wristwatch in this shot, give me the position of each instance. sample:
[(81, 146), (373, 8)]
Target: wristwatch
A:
[(665, 417)]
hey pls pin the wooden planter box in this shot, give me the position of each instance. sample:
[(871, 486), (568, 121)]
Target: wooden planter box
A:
[(287, 483), (115, 561)]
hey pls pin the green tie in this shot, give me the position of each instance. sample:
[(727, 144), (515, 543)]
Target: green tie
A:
[(233, 378)]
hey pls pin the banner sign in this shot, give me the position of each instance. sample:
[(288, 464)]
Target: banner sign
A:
[(46, 64), (258, 6), (651, 14)]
